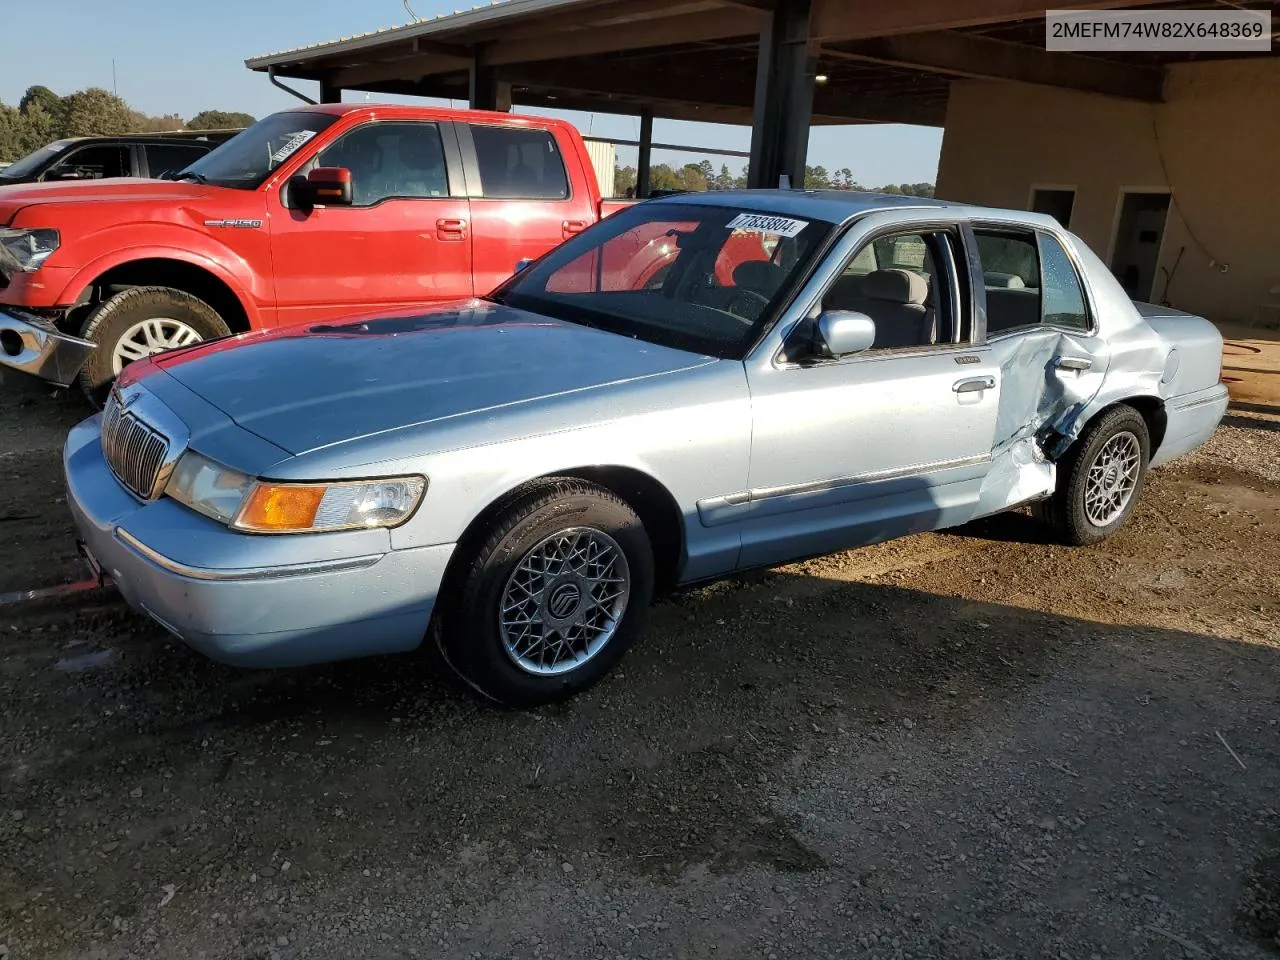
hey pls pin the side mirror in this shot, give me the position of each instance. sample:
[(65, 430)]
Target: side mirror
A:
[(66, 173), (522, 264), (322, 187), (842, 332)]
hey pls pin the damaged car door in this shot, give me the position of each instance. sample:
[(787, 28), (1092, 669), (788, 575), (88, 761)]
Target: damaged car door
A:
[(868, 441), (1042, 336)]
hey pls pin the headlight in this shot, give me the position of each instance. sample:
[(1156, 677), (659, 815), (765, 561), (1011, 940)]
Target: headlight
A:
[(315, 507), (264, 506), (208, 487), (28, 247)]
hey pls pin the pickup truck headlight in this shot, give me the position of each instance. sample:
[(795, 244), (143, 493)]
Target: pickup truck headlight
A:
[(264, 506), (28, 248)]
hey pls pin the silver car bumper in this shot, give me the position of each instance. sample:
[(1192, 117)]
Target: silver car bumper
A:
[(37, 347), (215, 589)]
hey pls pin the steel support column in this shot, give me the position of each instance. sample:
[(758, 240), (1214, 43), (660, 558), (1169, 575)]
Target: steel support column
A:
[(329, 93), (645, 160), (784, 97), (485, 91)]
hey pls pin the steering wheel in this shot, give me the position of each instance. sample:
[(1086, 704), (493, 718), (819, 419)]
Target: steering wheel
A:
[(748, 298)]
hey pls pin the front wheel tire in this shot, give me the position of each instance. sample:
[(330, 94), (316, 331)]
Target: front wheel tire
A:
[(551, 599), (137, 323), (1100, 478)]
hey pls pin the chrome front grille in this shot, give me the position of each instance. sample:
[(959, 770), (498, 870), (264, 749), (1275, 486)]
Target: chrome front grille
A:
[(134, 450)]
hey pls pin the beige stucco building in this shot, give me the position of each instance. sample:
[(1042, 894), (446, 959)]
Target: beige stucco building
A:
[(1212, 146)]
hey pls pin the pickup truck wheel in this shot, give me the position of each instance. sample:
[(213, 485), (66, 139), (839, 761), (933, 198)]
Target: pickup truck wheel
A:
[(138, 322), (552, 599), (1100, 478)]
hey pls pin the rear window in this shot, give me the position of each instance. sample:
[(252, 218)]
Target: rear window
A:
[(519, 164), (165, 158)]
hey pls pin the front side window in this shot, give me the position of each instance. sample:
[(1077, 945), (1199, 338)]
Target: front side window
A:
[(96, 162), (391, 160), (519, 164), (248, 158), (707, 279), (896, 281)]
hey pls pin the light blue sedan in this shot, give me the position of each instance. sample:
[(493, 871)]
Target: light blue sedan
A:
[(695, 386)]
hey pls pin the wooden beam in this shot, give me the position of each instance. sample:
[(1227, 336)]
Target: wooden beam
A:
[(406, 68), (670, 85), (967, 55), (847, 20), (686, 28)]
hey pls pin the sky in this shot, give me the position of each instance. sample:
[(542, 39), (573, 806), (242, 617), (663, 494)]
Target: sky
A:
[(186, 57)]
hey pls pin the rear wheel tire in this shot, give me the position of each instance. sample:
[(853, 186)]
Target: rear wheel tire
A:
[(551, 599), (1099, 479), (136, 323)]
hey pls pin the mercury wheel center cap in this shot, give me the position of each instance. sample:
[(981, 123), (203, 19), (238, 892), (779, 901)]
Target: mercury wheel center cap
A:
[(564, 600)]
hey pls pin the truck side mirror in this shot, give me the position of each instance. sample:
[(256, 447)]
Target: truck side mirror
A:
[(322, 187)]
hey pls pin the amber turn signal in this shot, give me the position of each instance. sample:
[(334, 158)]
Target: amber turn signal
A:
[(275, 509)]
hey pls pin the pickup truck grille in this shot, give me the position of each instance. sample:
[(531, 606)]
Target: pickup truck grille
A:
[(134, 450)]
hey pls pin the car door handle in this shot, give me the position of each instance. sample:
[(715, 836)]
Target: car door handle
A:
[(570, 227), (974, 384), (1072, 363), (451, 229)]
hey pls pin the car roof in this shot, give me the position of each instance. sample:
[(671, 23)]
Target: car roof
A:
[(839, 206)]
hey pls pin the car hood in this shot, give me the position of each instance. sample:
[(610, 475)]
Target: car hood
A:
[(14, 197), (308, 387)]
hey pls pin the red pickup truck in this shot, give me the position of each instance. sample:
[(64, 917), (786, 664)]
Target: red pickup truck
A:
[(311, 214)]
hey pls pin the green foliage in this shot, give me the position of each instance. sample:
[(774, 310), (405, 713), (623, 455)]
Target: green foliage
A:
[(219, 120), (42, 117)]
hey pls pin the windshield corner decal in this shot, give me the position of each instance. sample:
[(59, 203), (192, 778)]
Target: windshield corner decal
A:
[(291, 145), (764, 223)]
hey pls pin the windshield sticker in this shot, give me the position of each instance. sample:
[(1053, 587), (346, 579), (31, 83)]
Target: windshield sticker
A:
[(763, 223), (291, 145)]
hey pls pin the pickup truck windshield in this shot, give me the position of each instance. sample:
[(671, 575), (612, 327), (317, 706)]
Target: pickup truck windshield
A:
[(250, 156), (33, 161), (707, 279)]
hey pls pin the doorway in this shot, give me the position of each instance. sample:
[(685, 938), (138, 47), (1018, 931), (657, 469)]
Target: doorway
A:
[(1135, 256), (1057, 202)]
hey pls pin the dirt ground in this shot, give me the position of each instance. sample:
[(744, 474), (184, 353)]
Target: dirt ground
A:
[(962, 745)]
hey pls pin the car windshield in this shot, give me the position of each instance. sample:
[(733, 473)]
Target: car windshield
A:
[(702, 278), (250, 156), (33, 161)]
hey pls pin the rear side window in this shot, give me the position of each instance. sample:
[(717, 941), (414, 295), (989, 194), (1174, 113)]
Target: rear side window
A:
[(519, 164), (1011, 275), (165, 158), (1064, 303)]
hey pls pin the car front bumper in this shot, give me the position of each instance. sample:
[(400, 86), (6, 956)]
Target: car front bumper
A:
[(35, 346), (244, 611)]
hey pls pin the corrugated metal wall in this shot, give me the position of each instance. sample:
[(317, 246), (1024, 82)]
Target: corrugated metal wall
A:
[(603, 158)]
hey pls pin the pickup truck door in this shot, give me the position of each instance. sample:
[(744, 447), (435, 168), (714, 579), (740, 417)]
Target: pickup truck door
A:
[(404, 241), (524, 200), (889, 441)]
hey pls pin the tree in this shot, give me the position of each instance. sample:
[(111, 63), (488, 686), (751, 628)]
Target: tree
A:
[(12, 125), (722, 180), (624, 178), (95, 111), (49, 101), (693, 177), (662, 177), (36, 128), (219, 120), (817, 178)]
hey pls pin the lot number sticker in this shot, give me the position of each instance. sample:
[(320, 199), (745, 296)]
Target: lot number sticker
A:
[(763, 223), (291, 145)]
